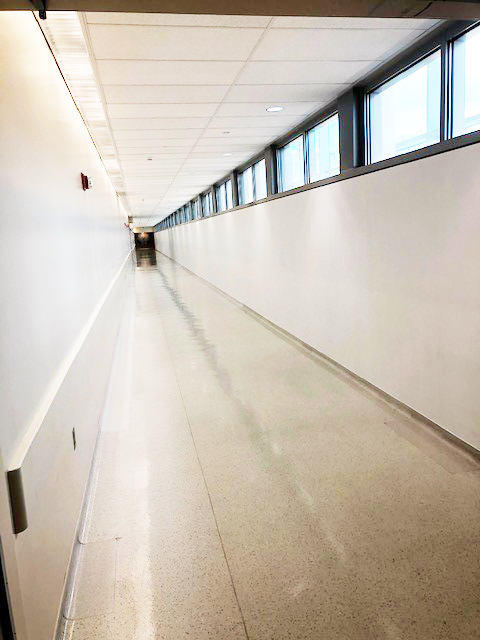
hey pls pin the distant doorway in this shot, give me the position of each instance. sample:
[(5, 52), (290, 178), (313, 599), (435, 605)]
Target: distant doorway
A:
[(145, 250), (144, 240)]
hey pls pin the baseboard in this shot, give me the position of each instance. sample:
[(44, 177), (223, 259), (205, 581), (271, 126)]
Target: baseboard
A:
[(339, 369)]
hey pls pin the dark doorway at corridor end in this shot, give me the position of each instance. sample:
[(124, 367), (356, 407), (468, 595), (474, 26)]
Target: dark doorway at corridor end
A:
[(145, 249), (144, 240)]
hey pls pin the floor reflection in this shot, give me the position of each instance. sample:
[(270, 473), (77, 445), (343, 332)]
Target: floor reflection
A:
[(146, 258)]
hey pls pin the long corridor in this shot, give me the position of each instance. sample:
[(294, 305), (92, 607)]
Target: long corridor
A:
[(245, 488)]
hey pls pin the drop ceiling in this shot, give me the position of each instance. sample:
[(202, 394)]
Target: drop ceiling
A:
[(180, 91)]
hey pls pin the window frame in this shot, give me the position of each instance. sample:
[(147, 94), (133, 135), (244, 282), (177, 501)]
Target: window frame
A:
[(217, 188), (307, 151), (303, 137), (254, 179), (208, 196), (367, 108), (450, 82), (440, 37)]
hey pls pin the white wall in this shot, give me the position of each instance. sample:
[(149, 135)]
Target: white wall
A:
[(379, 272), (61, 251)]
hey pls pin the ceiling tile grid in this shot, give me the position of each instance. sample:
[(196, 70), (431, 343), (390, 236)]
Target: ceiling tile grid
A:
[(186, 96)]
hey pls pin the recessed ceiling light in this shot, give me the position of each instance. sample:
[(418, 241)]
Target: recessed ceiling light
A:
[(226, 154), (274, 109)]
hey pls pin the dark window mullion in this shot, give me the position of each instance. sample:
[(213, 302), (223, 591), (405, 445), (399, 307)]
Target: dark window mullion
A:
[(306, 165), (446, 71)]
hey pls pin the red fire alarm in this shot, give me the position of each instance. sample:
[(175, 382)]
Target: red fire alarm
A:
[(86, 182)]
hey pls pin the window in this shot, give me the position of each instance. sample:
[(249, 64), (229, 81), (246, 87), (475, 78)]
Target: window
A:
[(224, 196), (291, 165), (221, 198), (195, 209), (405, 111), (229, 194), (323, 150), (253, 183), (260, 180), (207, 204), (246, 186), (466, 83)]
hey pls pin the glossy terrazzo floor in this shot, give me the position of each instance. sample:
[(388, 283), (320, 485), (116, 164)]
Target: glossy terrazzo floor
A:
[(247, 490)]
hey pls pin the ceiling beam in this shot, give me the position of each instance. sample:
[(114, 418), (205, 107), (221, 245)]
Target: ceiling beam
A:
[(448, 9)]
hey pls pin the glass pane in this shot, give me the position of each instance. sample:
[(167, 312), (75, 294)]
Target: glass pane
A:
[(260, 170), (221, 198), (405, 112), (229, 193), (323, 150), (206, 205), (247, 186), (466, 83), (292, 172)]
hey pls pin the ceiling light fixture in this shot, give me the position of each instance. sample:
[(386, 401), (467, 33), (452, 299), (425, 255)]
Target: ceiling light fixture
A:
[(274, 109), (225, 155)]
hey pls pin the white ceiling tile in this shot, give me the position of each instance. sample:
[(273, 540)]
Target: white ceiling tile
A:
[(130, 124), (161, 110), (223, 148), (158, 94), (153, 151), (281, 93), (260, 109), (168, 82), (332, 44), (227, 142), (190, 182), (158, 72), (192, 20), (302, 22), (210, 161), (132, 42), (258, 122), (155, 143), (132, 173), (156, 134), (133, 176), (158, 158), (140, 165), (244, 132), (150, 188), (236, 158), (154, 195), (305, 72)]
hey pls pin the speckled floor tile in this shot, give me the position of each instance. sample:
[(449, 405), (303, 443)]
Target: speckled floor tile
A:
[(93, 628), (254, 483), (95, 592)]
